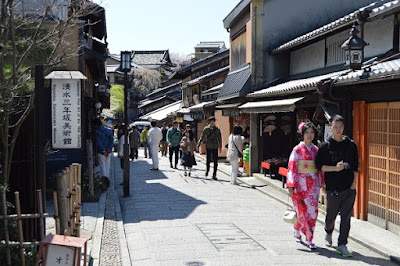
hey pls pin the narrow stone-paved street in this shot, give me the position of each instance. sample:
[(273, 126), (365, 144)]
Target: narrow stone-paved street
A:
[(170, 219)]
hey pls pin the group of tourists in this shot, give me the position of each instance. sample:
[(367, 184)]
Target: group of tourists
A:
[(332, 168)]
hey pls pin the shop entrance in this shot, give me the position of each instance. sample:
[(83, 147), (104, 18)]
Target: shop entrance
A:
[(384, 165)]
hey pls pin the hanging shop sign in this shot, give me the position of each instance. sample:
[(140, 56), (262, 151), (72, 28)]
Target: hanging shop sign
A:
[(66, 109)]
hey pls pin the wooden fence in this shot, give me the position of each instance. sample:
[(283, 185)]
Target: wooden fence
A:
[(67, 212)]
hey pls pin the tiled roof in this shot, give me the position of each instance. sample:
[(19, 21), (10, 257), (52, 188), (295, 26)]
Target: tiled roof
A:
[(236, 84), (198, 79), (193, 64), (155, 100), (213, 90), (210, 45), (149, 57), (294, 86), (378, 72), (166, 88), (112, 68), (65, 75), (377, 8)]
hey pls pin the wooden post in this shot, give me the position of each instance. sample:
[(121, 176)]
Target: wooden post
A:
[(62, 196), (364, 160), (78, 214), (56, 217), (89, 147), (71, 220), (5, 223), (20, 230), (41, 218), (67, 172), (40, 126)]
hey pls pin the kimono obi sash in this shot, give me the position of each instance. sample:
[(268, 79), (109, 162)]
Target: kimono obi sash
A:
[(306, 167)]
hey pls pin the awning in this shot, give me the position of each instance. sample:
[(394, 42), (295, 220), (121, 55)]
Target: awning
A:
[(277, 106), (188, 118), (163, 112), (183, 111), (198, 107), (236, 84), (230, 110)]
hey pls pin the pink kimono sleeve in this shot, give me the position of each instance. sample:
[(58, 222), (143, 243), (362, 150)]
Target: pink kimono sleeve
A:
[(291, 178)]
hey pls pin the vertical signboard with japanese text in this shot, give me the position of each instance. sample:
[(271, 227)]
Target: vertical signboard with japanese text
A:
[(66, 113)]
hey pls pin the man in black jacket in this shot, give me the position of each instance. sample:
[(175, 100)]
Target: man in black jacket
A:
[(338, 158)]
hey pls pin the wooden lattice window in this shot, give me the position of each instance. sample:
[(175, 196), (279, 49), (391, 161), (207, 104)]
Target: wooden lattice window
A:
[(384, 163)]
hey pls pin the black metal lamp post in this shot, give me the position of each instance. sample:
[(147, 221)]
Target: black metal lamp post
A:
[(126, 67), (354, 50)]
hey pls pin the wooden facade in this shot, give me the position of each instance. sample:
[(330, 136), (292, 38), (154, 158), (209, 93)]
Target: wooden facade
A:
[(377, 134)]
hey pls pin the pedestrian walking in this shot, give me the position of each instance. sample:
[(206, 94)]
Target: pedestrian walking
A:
[(189, 127), (121, 142), (143, 136), (104, 141), (338, 158), (235, 146), (164, 143), (304, 182), (188, 147), (134, 142), (153, 139), (174, 140), (211, 136)]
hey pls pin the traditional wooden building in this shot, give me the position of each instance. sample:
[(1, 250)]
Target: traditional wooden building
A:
[(305, 78)]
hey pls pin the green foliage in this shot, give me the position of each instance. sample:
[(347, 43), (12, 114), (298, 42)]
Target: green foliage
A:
[(98, 185), (117, 98), (30, 255)]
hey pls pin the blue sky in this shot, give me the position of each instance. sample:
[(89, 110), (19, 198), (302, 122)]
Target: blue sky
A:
[(177, 25)]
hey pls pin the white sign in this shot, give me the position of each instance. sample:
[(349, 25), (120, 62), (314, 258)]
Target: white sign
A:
[(66, 113), (60, 255), (328, 132)]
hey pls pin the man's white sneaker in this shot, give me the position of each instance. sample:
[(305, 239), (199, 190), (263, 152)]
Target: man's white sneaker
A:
[(342, 250), (328, 240)]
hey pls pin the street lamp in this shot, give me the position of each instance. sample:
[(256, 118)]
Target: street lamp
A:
[(126, 67), (354, 50)]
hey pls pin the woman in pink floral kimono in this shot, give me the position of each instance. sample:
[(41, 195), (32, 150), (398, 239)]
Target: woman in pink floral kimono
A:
[(304, 182)]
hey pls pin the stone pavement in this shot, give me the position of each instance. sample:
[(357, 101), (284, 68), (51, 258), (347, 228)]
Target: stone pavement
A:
[(170, 219)]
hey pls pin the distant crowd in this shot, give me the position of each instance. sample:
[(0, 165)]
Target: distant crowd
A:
[(178, 142)]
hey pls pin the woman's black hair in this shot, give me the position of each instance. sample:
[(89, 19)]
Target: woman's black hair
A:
[(307, 126), (191, 135), (237, 130), (119, 133)]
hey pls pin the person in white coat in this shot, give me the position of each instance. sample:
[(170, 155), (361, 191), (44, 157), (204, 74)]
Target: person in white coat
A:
[(235, 145), (153, 139)]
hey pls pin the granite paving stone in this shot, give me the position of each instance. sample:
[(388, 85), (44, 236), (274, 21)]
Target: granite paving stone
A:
[(165, 211)]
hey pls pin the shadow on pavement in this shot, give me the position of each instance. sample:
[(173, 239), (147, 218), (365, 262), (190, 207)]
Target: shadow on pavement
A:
[(152, 201), (331, 253)]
